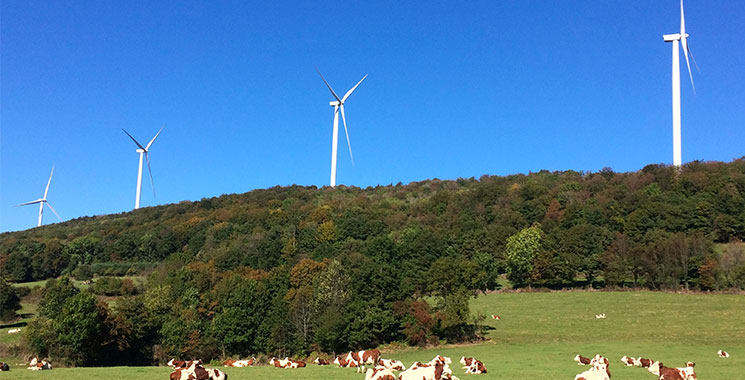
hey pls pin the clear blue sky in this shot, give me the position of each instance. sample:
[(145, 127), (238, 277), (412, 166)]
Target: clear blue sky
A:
[(455, 89)]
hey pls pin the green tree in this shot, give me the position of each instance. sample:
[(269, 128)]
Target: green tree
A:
[(79, 328), (521, 249), (56, 293), (9, 301)]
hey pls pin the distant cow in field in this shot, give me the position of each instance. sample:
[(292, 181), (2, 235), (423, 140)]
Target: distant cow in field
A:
[(723, 354), (341, 361), (4, 367), (38, 365), (364, 356), (598, 371), (437, 371), (630, 361), (600, 316), (320, 361), (495, 317), (379, 373), (239, 363), (667, 373), (472, 365), (441, 359), (286, 363), (581, 360), (395, 365), (13, 331), (175, 363), (644, 363)]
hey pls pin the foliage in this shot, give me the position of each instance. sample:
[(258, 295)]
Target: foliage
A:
[(520, 251)]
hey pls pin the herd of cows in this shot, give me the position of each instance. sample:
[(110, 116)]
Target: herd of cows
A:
[(599, 367), (377, 368)]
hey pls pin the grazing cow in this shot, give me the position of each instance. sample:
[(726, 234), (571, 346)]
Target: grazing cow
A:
[(723, 354), (379, 373), (581, 360), (437, 371), (667, 373), (395, 365), (320, 361), (13, 331), (364, 356), (4, 367), (495, 317)]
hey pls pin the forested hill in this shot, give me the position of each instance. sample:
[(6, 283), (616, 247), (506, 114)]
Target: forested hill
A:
[(655, 227)]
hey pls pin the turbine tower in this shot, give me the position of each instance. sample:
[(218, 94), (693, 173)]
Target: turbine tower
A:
[(42, 201), (143, 151), (675, 39), (338, 104)]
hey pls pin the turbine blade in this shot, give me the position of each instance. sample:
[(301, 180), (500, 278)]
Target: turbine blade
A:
[(30, 203), (352, 89), (344, 119), (54, 211), (693, 59), (48, 182), (328, 85), (151, 174), (133, 139), (688, 63), (682, 21), (156, 136)]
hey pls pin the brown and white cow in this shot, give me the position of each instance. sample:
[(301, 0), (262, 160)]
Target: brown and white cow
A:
[(628, 361), (600, 316), (175, 363), (364, 356), (495, 317), (341, 361), (581, 360), (239, 363), (320, 361), (723, 354), (39, 365), (379, 373), (437, 371), (668, 373), (441, 359), (286, 363), (645, 363), (182, 374), (472, 366), (395, 365)]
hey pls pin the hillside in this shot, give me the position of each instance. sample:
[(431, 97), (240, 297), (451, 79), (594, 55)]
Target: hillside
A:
[(581, 215)]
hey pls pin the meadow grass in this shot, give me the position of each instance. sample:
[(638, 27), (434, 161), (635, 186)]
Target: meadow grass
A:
[(538, 336)]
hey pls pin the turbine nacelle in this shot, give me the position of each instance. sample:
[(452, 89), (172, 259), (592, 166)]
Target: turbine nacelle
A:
[(335, 103), (673, 37), (140, 151)]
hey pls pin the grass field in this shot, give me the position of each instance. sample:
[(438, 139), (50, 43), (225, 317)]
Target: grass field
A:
[(538, 336)]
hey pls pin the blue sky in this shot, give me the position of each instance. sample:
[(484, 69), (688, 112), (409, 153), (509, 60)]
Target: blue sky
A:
[(455, 89)]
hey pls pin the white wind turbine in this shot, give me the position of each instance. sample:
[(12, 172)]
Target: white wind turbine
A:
[(42, 201), (143, 151), (675, 38), (338, 104)]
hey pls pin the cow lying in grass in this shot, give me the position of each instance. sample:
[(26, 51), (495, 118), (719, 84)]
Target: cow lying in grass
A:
[(193, 370), (379, 373), (472, 366), (39, 365), (437, 371), (239, 363), (598, 369), (286, 363), (723, 354), (320, 361), (344, 363), (4, 367), (394, 365), (667, 373)]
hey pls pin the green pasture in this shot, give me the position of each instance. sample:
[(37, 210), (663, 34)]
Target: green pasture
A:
[(538, 336)]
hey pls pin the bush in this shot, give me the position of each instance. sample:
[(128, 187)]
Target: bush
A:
[(107, 286), (83, 273)]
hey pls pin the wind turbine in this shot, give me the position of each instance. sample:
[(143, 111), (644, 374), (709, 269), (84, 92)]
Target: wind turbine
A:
[(143, 152), (675, 39), (42, 201), (338, 104)]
